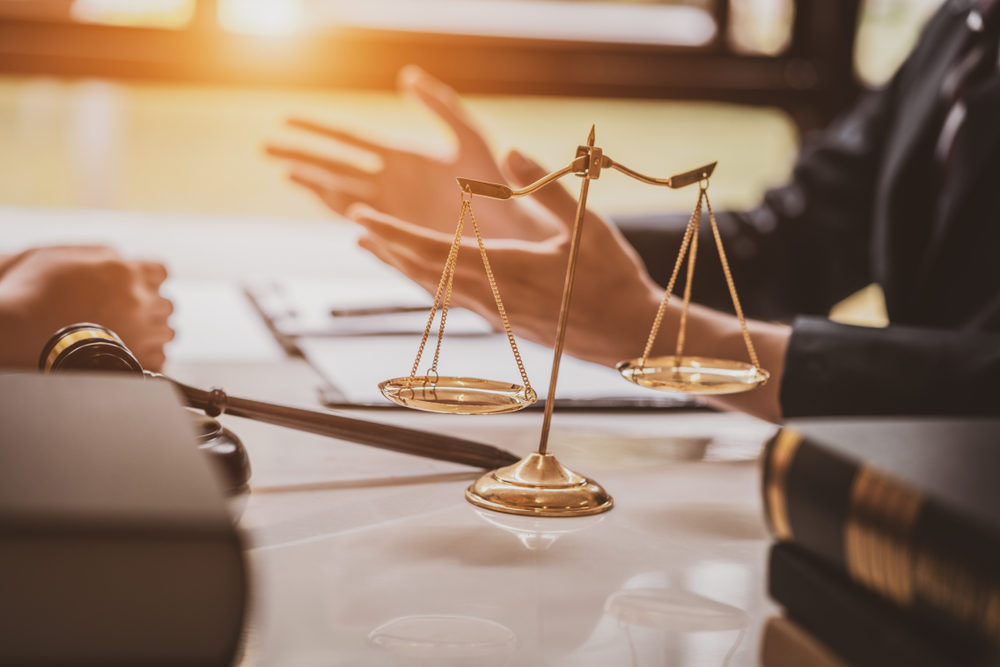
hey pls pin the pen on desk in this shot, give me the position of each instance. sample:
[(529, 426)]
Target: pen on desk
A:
[(377, 310), (374, 434)]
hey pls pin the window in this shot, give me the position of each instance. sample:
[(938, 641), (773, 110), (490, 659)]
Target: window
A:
[(793, 54)]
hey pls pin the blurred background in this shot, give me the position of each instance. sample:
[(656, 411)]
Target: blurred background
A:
[(164, 105)]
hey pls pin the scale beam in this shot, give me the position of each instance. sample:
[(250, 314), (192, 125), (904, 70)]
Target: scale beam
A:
[(581, 166), (676, 181)]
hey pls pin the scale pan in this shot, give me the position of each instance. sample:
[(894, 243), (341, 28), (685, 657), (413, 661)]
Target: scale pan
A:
[(456, 395), (693, 375)]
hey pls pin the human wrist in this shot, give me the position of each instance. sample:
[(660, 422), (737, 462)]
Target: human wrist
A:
[(770, 343)]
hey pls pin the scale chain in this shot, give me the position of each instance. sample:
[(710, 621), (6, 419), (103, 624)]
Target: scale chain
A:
[(528, 391), (690, 240), (442, 299), (449, 270), (693, 224), (732, 286), (444, 309), (692, 254)]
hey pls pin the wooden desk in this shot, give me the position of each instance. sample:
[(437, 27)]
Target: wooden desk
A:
[(365, 557)]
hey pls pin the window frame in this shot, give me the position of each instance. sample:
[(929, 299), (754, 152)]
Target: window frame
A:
[(812, 80)]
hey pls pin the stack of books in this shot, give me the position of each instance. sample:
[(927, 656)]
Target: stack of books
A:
[(887, 544)]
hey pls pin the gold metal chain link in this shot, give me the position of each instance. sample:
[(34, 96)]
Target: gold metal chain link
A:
[(689, 248), (692, 226), (444, 309), (732, 286), (692, 254), (442, 301), (529, 393), (446, 277)]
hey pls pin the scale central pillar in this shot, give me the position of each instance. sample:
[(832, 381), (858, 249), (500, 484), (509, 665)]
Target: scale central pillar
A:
[(539, 485)]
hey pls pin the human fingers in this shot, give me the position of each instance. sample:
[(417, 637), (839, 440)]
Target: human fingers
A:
[(471, 288), (443, 101), (151, 358), (322, 183), (153, 331), (161, 308), (415, 265), (144, 334), (337, 194), (152, 355), (168, 334), (83, 248), (522, 170), (343, 136), (403, 261), (153, 273), (318, 187), (72, 253), (329, 164), (10, 261), (423, 242)]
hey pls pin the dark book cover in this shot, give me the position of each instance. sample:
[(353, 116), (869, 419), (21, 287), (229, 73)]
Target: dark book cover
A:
[(116, 545), (784, 643), (860, 627), (908, 508)]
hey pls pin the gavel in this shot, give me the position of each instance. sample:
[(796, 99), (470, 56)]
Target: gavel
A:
[(92, 347)]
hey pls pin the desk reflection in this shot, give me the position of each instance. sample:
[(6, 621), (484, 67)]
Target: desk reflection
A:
[(445, 641), (538, 533)]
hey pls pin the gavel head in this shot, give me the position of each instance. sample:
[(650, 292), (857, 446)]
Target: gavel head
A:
[(87, 347), (91, 347)]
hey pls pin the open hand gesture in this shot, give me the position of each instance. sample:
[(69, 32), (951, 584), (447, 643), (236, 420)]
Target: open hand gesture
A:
[(416, 186)]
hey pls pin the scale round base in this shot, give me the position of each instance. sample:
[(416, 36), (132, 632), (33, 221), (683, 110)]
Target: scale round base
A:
[(693, 375), (457, 395), (538, 485)]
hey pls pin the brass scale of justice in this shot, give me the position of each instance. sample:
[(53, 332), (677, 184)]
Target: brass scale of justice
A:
[(538, 485)]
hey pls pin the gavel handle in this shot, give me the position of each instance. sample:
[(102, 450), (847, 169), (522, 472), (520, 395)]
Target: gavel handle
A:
[(384, 436)]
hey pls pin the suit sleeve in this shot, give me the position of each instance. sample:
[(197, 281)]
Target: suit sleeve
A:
[(836, 369), (808, 245)]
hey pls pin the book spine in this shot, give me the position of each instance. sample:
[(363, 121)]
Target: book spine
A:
[(884, 534), (860, 627)]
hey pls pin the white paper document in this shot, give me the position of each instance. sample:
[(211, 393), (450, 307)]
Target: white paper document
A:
[(356, 365), (206, 313), (383, 303)]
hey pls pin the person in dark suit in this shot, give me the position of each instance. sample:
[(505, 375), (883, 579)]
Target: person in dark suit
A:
[(903, 191), (897, 194)]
